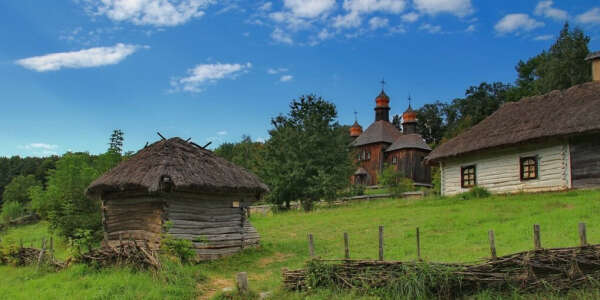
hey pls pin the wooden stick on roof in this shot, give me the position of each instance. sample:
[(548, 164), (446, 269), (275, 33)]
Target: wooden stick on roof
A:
[(161, 136), (195, 144), (207, 144), (188, 140)]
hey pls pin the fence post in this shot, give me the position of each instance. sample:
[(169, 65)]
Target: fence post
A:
[(242, 282), (311, 245), (346, 247), (582, 235), (537, 242), (418, 244), (492, 244), (41, 257), (380, 242)]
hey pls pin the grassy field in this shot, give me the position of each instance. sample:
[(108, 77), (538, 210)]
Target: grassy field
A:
[(452, 230)]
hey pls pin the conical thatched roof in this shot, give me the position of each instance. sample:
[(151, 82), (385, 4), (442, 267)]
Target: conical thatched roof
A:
[(189, 167)]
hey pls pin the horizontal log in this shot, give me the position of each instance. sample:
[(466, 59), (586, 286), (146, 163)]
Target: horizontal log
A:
[(209, 238), (218, 244), (206, 231), (206, 211), (202, 218), (186, 223)]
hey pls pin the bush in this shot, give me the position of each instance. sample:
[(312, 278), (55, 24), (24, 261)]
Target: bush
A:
[(18, 189), (436, 180), (476, 192), (11, 210), (395, 182), (180, 249)]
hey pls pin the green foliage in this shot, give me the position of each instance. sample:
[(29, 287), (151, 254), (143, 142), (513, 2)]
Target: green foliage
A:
[(357, 189), (8, 252), (247, 153), (561, 67), (475, 192), (116, 141), (18, 189), (16, 166), (82, 242), (179, 249), (63, 202), (395, 181), (307, 157), (11, 210)]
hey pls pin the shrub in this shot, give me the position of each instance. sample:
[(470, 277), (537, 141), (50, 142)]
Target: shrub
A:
[(436, 180), (181, 249), (11, 210), (395, 182), (82, 242), (476, 192), (17, 189)]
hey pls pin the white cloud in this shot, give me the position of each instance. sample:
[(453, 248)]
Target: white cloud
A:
[(150, 12), (370, 6), (397, 29), (458, 8), (281, 36), (591, 16), (350, 20), (471, 28), (325, 34), (544, 8), (286, 78), (222, 132), (93, 57), (266, 6), (410, 17), (208, 73), (431, 28), (42, 146), (309, 8), (544, 37), (378, 22), (273, 71), (516, 23)]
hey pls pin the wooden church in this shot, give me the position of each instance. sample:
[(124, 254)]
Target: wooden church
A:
[(384, 144)]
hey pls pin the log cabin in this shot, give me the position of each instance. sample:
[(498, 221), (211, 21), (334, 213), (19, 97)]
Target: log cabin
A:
[(549, 142), (202, 197)]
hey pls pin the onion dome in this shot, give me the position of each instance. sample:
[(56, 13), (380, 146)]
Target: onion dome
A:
[(409, 116), (355, 130), (382, 100)]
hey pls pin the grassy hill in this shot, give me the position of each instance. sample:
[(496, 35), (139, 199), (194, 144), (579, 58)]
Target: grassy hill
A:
[(452, 230)]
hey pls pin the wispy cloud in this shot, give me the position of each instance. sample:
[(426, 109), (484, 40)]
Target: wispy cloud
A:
[(516, 23), (274, 71), (88, 58), (203, 74), (286, 78), (150, 12), (591, 16), (544, 37), (378, 22), (460, 8), (431, 28), (222, 132), (544, 8), (40, 149), (410, 17)]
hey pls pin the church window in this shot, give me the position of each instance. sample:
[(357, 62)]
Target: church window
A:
[(395, 160), (468, 176)]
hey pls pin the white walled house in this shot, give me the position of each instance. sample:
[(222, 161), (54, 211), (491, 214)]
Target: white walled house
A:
[(542, 143)]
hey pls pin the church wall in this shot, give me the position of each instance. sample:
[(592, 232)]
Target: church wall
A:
[(410, 161), (372, 165)]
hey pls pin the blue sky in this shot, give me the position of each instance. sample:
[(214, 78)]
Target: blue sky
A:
[(72, 71)]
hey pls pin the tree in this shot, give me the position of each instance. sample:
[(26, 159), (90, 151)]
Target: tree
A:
[(431, 122), (116, 141), (63, 202), (247, 153), (18, 189), (307, 157), (559, 68)]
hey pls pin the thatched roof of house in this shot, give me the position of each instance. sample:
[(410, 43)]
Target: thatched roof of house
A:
[(189, 167), (556, 114), (379, 132), (409, 141)]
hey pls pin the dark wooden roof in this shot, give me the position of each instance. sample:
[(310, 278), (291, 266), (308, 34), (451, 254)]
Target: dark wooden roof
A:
[(379, 132), (593, 55), (409, 141), (189, 167), (558, 113)]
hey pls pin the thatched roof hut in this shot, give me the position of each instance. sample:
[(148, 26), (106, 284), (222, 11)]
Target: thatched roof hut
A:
[(202, 196)]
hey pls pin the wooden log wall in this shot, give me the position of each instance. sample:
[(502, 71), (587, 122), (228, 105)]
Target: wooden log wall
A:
[(139, 219), (216, 224), (585, 162)]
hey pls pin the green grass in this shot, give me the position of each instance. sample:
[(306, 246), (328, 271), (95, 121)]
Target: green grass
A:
[(452, 230)]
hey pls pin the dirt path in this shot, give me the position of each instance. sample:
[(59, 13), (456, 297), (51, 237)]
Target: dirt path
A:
[(213, 287)]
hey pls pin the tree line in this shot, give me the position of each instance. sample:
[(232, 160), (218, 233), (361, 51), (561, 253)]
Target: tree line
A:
[(562, 66)]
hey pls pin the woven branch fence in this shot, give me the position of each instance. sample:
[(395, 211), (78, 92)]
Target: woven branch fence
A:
[(556, 269)]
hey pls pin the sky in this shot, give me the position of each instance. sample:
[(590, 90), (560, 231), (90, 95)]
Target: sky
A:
[(71, 71)]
